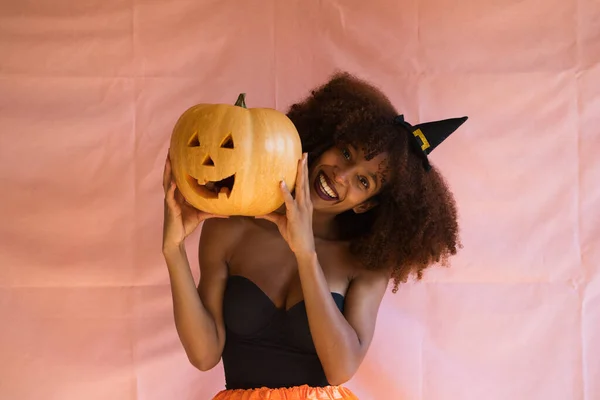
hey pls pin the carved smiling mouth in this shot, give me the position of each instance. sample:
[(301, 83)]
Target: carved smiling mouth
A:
[(212, 189)]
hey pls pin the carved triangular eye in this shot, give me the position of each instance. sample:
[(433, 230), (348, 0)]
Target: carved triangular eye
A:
[(194, 141), (208, 161), (227, 143)]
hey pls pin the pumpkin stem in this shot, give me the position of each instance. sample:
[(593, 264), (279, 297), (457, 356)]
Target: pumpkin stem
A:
[(241, 100)]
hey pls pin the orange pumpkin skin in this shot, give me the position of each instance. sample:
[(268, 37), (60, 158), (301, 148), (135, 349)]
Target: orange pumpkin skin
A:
[(229, 160)]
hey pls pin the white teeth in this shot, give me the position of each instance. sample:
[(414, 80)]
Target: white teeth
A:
[(326, 187)]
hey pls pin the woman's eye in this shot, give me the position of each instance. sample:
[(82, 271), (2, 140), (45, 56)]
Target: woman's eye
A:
[(364, 182), (346, 154)]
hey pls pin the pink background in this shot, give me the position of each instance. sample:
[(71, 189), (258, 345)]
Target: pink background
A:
[(89, 93)]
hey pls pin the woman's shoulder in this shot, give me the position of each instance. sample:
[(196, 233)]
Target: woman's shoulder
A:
[(228, 227), (222, 238), (364, 279), (223, 232), (339, 255)]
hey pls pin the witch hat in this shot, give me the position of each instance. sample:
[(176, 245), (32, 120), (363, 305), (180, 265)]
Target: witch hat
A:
[(427, 136)]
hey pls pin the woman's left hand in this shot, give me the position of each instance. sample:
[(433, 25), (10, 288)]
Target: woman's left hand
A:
[(296, 224)]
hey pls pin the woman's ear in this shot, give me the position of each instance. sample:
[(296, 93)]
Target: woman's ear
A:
[(365, 206)]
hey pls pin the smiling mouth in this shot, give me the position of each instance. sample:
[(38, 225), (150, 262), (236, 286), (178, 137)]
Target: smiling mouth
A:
[(324, 188), (212, 189)]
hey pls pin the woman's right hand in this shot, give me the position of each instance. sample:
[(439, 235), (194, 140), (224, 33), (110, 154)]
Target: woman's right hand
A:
[(180, 218)]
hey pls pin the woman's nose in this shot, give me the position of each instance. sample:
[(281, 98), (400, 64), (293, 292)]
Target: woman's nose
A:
[(341, 175)]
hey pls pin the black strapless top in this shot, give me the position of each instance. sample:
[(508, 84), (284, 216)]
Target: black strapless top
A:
[(267, 346)]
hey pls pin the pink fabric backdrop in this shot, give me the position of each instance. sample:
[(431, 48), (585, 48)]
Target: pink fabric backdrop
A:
[(89, 93)]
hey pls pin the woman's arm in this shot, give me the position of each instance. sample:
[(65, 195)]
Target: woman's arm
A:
[(198, 310), (341, 340)]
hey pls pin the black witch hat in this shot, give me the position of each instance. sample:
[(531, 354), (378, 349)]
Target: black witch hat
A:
[(427, 136)]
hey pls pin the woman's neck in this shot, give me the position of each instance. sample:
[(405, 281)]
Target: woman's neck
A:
[(324, 226)]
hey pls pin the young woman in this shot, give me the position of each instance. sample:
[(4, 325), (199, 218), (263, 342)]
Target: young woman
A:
[(289, 300)]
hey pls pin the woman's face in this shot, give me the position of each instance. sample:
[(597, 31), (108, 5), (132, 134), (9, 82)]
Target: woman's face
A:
[(342, 179)]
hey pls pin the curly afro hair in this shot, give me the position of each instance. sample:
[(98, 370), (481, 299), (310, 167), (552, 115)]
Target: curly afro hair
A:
[(414, 224)]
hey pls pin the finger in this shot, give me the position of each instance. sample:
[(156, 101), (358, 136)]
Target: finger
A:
[(306, 184), (202, 216), (170, 197), (302, 194), (167, 178), (300, 179), (273, 217), (287, 196), (298, 192), (178, 196)]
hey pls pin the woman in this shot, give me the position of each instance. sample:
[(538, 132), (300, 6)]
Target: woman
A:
[(289, 300)]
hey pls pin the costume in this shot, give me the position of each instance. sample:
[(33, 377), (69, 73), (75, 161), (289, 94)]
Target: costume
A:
[(427, 136), (269, 352), (304, 392)]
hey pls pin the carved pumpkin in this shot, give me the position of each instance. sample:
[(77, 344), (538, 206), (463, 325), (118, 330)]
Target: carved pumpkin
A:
[(229, 160)]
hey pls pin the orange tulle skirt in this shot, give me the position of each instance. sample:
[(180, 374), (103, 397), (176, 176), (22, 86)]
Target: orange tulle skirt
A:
[(292, 393)]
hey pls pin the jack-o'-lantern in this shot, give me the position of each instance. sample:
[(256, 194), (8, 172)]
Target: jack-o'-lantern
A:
[(229, 159)]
